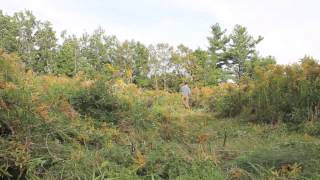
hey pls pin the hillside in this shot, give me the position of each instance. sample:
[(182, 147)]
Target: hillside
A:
[(91, 106), (73, 128)]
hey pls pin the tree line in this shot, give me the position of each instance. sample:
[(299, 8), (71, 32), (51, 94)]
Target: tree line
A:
[(159, 66)]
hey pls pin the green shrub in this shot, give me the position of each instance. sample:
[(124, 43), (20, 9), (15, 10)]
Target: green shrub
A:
[(230, 104), (311, 128), (99, 102), (290, 94)]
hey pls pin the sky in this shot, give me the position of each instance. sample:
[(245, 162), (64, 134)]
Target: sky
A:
[(291, 28)]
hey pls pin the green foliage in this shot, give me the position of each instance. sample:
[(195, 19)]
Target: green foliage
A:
[(291, 160), (143, 81), (98, 102), (45, 40), (42, 137), (312, 128), (68, 61), (242, 49), (232, 52), (169, 166), (132, 61), (81, 114), (202, 170), (230, 104), (275, 93), (9, 31), (160, 66), (61, 127), (218, 45), (27, 25)]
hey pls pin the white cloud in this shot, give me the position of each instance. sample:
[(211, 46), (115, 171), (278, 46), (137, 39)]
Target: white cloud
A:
[(290, 27)]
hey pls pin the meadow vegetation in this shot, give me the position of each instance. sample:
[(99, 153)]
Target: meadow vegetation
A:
[(74, 128), (96, 108)]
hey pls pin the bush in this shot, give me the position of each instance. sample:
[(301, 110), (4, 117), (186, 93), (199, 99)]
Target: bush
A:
[(229, 105), (201, 98), (276, 93), (42, 137), (99, 102), (311, 128), (228, 100)]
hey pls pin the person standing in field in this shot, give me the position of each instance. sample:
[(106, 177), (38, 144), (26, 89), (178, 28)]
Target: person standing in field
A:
[(186, 92)]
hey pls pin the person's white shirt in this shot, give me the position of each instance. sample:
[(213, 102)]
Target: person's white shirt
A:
[(185, 90)]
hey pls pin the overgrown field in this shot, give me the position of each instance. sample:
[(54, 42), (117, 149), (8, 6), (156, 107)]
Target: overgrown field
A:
[(75, 128)]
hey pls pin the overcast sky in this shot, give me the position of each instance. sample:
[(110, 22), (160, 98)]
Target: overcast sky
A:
[(291, 28)]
